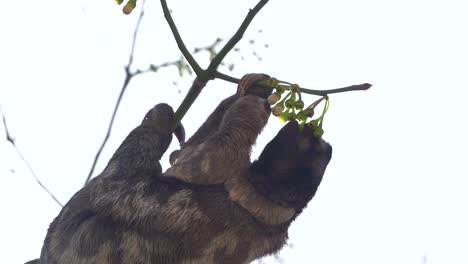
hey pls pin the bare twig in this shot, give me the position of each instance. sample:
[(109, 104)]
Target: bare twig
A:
[(154, 68), (226, 77), (128, 76), (203, 76), (235, 38), (180, 43), (357, 87), (10, 139)]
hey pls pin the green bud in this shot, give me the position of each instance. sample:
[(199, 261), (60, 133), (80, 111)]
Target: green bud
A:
[(299, 104), (302, 116), (318, 132), (314, 123), (153, 68), (280, 89), (309, 112), (294, 88), (289, 103), (292, 116), (272, 82)]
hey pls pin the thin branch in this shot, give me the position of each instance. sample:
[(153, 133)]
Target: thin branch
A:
[(128, 77), (135, 33), (236, 38), (12, 141), (357, 87), (181, 60), (180, 43), (212, 46), (192, 94), (9, 138), (203, 76), (226, 77)]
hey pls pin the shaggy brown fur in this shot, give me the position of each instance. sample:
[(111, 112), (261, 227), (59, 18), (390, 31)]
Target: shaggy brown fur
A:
[(132, 213)]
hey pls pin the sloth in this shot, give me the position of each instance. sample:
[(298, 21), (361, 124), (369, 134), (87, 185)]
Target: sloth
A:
[(212, 206), (140, 151)]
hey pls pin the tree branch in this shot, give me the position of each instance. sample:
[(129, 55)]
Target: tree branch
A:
[(226, 77), (128, 76), (235, 38), (192, 94), (154, 68), (12, 141), (357, 87), (203, 76), (180, 43)]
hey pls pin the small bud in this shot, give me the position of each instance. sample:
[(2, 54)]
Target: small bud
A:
[(277, 110), (294, 88), (314, 123), (302, 116), (309, 112), (129, 6), (280, 89), (153, 68), (299, 105), (292, 116), (272, 82), (119, 1), (273, 98), (318, 132), (289, 103)]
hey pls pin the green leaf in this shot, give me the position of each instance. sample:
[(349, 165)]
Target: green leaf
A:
[(153, 68)]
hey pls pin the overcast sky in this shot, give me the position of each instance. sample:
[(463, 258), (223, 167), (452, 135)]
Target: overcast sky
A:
[(396, 189)]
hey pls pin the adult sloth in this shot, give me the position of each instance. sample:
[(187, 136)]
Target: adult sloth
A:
[(132, 213)]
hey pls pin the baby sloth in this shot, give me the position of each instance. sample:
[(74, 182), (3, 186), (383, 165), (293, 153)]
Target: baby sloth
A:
[(212, 206)]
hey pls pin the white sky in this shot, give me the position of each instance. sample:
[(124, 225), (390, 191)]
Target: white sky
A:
[(396, 188)]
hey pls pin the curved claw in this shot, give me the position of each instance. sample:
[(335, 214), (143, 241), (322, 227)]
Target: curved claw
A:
[(179, 132)]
